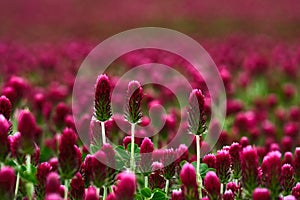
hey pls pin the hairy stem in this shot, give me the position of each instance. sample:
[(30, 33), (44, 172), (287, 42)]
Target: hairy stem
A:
[(167, 186), (132, 161), (104, 192), (17, 185), (199, 179), (66, 189), (103, 133), (146, 181)]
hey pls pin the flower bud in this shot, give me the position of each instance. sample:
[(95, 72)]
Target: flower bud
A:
[(146, 155), (234, 152), (296, 191), (249, 164), (189, 181), (296, 163), (223, 165), (27, 127), (228, 195), (53, 196), (135, 95), (43, 170), (91, 194), (212, 185), (77, 187), (126, 186), (102, 98), (5, 107), (7, 183), (177, 195), (52, 183), (287, 178), (69, 157), (261, 194), (4, 141), (196, 113), (210, 160)]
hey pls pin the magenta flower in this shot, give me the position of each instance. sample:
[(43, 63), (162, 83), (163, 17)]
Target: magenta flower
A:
[(77, 187), (61, 111), (11, 94), (169, 156), (296, 191), (4, 141), (296, 164), (69, 157), (91, 194), (126, 186), (43, 170), (212, 185), (261, 194), (223, 165), (5, 107), (234, 152), (27, 127), (287, 178), (53, 196), (7, 183), (228, 195), (189, 181), (177, 195), (249, 164), (135, 95), (99, 169), (103, 98), (156, 180), (146, 150), (271, 168), (196, 113), (52, 183), (210, 160), (288, 158)]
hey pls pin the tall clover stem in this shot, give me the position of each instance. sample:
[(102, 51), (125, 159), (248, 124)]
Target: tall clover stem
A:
[(29, 185), (103, 132), (167, 186), (66, 189), (104, 192), (146, 181), (198, 165), (132, 161), (17, 185)]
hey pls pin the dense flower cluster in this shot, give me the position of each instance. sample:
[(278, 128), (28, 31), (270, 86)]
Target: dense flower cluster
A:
[(257, 155)]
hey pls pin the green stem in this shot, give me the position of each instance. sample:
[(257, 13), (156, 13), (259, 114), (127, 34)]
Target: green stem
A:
[(199, 179), (146, 181), (17, 185), (167, 186), (66, 189), (28, 163), (221, 188), (132, 161), (103, 133), (104, 192)]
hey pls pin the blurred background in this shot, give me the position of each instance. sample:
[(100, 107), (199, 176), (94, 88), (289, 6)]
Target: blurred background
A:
[(56, 20)]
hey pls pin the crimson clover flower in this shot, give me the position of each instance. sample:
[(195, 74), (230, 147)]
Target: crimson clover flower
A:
[(296, 191), (223, 165), (91, 194), (102, 102), (7, 183), (228, 195), (27, 127), (271, 169), (234, 152), (196, 113), (5, 107), (177, 195), (249, 164), (135, 95), (4, 141), (52, 183), (146, 150), (296, 163), (126, 186), (77, 187), (210, 160), (189, 181), (43, 170), (69, 157), (261, 194), (212, 185), (287, 180)]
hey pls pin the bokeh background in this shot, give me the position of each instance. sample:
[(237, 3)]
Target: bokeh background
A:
[(55, 20)]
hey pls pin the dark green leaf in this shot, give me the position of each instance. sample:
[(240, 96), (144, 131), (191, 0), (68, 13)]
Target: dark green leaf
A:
[(146, 192)]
